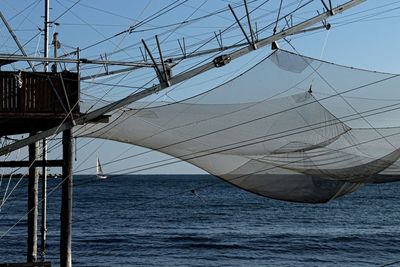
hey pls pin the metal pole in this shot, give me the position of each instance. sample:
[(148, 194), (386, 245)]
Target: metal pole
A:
[(249, 22), (78, 57), (66, 202), (32, 204), (154, 61), (240, 26), (55, 44), (43, 228), (46, 32), (165, 77), (134, 64), (44, 202)]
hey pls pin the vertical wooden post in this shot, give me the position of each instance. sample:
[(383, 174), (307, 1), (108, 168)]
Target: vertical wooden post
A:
[(66, 202), (44, 174), (32, 204), (44, 201)]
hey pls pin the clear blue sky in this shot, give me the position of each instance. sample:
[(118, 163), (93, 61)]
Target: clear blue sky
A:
[(365, 37)]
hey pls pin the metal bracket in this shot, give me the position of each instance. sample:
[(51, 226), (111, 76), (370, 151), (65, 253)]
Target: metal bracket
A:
[(166, 71), (221, 60), (218, 37), (182, 46), (289, 22), (144, 55), (105, 59), (329, 8), (326, 25), (274, 45), (163, 77), (250, 28)]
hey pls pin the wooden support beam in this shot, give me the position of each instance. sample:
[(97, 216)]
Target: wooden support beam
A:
[(66, 202), (101, 119), (37, 163), (43, 228), (32, 204)]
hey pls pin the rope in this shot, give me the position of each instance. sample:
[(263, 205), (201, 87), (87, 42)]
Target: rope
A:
[(390, 264), (8, 185), (50, 140), (252, 141), (277, 18), (343, 98), (272, 114)]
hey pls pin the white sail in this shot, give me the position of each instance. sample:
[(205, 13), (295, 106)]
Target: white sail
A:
[(99, 170)]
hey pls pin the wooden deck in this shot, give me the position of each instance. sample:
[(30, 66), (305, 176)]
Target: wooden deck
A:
[(36, 101)]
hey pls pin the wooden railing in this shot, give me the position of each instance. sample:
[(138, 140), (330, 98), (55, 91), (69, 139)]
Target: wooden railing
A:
[(35, 93)]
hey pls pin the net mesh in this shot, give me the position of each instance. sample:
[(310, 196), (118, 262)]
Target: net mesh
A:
[(265, 131)]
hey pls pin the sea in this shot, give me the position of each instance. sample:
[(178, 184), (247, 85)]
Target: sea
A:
[(198, 220)]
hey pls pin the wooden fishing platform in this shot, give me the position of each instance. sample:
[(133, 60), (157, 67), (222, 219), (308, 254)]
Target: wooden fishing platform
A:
[(31, 102), (36, 101)]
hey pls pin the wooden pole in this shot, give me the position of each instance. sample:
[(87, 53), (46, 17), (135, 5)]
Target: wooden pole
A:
[(32, 204), (44, 201), (66, 202), (43, 229)]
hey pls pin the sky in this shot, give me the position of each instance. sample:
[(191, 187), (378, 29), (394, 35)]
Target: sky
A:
[(364, 37)]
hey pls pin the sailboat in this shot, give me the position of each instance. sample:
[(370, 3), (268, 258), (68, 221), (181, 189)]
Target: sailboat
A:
[(99, 170)]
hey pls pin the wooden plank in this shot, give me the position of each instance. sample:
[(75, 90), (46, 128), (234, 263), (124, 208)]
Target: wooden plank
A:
[(40, 92)]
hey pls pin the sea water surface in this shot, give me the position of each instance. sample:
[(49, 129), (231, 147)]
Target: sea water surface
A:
[(155, 220)]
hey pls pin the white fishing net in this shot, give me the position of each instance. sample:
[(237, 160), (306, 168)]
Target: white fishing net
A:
[(291, 128)]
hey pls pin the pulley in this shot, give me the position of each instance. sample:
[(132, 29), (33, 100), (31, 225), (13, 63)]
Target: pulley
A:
[(221, 60)]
